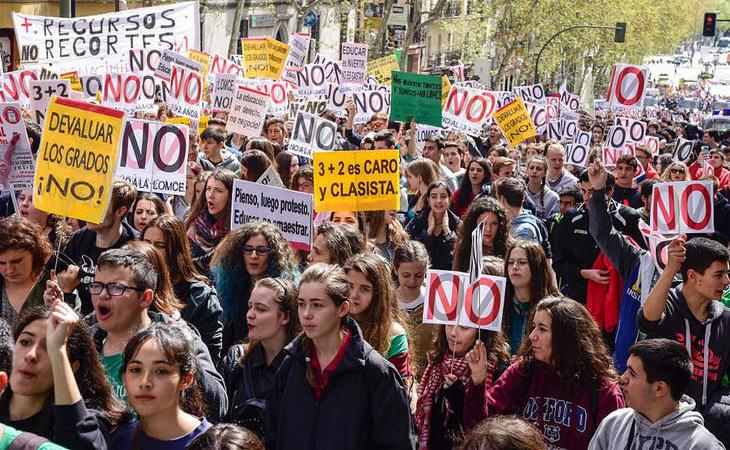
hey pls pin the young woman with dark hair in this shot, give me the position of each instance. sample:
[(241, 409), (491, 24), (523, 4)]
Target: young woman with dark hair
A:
[(440, 417), (57, 387), (263, 145), (503, 433), (253, 165), (250, 367), (180, 204), (288, 164), (210, 218), (435, 226), (332, 245), (563, 379), (146, 207), (227, 436), (495, 236), (158, 371), (385, 232), (345, 394), (419, 174), (201, 306), (475, 183), (373, 306), (254, 251), (547, 201), (529, 280)]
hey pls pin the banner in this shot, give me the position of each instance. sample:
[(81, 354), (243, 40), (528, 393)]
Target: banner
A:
[(290, 211), (683, 207), (41, 92), (467, 110), (263, 57), (354, 62), (16, 157), (416, 97), (515, 123), (76, 159), (186, 92), (15, 86), (381, 69), (53, 41), (153, 156), (452, 299), (311, 133), (248, 112), (358, 180)]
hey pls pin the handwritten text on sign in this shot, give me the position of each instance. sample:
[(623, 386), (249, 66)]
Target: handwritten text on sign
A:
[(16, 171), (76, 159), (290, 211), (359, 180), (683, 207), (153, 156), (450, 298), (514, 121)]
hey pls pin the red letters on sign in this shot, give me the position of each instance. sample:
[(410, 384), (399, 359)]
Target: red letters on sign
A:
[(683, 207)]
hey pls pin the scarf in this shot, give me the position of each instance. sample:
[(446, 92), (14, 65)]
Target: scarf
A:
[(206, 231), (431, 382)]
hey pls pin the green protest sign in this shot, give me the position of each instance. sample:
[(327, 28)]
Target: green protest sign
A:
[(416, 97)]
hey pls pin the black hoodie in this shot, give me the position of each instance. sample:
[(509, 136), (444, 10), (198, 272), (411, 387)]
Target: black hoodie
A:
[(364, 405)]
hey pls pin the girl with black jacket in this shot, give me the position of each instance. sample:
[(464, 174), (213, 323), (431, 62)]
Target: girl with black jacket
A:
[(250, 367), (435, 226), (333, 391)]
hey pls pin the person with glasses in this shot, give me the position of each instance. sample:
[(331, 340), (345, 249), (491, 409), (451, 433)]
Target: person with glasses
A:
[(643, 155), (123, 291), (677, 171), (256, 250)]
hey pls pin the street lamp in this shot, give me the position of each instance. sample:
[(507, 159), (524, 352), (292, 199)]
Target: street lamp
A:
[(619, 37)]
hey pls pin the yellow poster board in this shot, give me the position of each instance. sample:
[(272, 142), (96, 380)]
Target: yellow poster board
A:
[(204, 60), (445, 89), (277, 53), (77, 158), (357, 180), (263, 57), (381, 68), (515, 123)]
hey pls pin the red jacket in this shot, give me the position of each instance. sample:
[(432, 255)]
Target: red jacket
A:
[(603, 301)]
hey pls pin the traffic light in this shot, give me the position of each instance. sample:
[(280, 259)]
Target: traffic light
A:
[(708, 29), (619, 35)]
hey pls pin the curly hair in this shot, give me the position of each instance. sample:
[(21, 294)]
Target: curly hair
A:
[(90, 376), (462, 248), (228, 262), (579, 355), (305, 172), (165, 300), (17, 233), (382, 312), (541, 280)]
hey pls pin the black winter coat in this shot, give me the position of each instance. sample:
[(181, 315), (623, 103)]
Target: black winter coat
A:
[(364, 406), (203, 311), (440, 248)]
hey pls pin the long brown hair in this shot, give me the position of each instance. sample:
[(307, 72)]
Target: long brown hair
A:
[(336, 287), (382, 312), (165, 300), (579, 355), (256, 162), (494, 342), (462, 248), (395, 232), (177, 248), (225, 177), (541, 280)]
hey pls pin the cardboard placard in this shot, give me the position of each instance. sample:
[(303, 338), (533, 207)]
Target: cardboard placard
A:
[(416, 97)]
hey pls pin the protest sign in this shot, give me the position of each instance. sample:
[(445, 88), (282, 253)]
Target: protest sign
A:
[(683, 207), (635, 129), (657, 245), (652, 143), (224, 87), (683, 150), (515, 122), (271, 177), (15, 86), (277, 53), (354, 62), (144, 60), (445, 89), (41, 92), (423, 133), (153, 156), (311, 133), (610, 154), (220, 64), (569, 129), (370, 102), (458, 72), (311, 106), (290, 211), (568, 100), (627, 86), (312, 80), (416, 97), (121, 91), (73, 77), (168, 58), (186, 92), (554, 129), (52, 41), (381, 69), (578, 151), (532, 93), (467, 110), (475, 259), (255, 57), (278, 98), (359, 180), (452, 299), (203, 59), (248, 112), (16, 157), (336, 99), (76, 159)]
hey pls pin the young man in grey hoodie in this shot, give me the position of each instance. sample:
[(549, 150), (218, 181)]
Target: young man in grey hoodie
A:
[(659, 415)]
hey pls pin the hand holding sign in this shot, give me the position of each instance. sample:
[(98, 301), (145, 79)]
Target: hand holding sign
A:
[(597, 176), (7, 162), (676, 254), (477, 360)]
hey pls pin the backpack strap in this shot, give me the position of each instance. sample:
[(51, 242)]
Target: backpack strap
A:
[(27, 441)]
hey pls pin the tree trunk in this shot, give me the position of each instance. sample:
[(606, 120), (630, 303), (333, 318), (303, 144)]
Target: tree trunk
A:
[(235, 30)]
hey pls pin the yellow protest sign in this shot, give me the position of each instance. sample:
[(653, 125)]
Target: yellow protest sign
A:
[(277, 53), (178, 120), (445, 89), (357, 180), (76, 159), (381, 68), (203, 124), (514, 121), (204, 60), (75, 80)]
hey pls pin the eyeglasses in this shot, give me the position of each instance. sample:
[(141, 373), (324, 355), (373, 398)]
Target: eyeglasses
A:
[(114, 289), (677, 171), (260, 250)]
